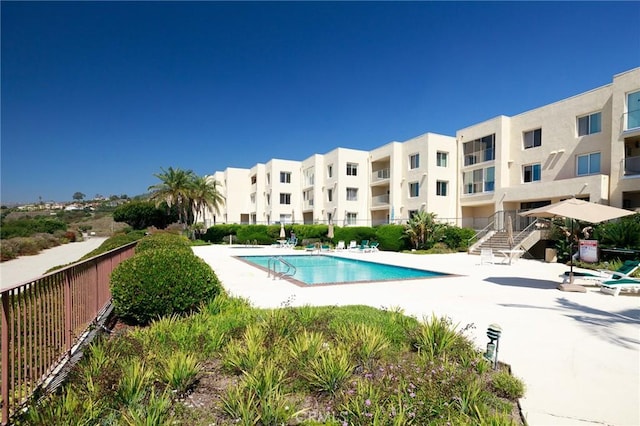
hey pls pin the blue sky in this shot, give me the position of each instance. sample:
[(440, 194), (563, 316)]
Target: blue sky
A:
[(98, 96)]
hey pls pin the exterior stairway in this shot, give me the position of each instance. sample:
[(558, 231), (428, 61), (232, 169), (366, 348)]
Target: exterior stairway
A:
[(499, 241)]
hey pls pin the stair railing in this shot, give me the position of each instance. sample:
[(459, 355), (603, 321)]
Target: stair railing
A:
[(273, 268)]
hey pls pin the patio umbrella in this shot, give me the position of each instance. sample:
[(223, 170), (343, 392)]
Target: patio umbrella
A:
[(576, 209), (509, 227), (283, 234), (330, 231)]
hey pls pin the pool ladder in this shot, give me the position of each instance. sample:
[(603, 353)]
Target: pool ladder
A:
[(273, 266)]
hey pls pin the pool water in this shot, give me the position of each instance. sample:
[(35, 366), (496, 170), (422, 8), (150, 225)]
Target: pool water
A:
[(320, 269)]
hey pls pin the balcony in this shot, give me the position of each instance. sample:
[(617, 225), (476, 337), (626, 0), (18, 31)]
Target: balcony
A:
[(380, 175), (631, 122), (632, 166), (307, 205), (380, 200)]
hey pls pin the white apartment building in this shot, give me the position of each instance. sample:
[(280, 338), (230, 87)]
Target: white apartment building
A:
[(586, 146)]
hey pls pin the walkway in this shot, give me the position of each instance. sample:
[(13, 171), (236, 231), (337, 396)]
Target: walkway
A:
[(25, 268)]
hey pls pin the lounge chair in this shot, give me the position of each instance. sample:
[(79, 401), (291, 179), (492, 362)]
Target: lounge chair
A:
[(486, 256), (340, 245), (353, 245), (325, 247), (624, 271), (310, 247), (614, 287), (374, 246)]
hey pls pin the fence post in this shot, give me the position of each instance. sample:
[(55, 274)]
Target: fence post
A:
[(68, 323), (5, 356)]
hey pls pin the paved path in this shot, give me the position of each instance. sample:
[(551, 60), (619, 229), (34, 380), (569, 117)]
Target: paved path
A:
[(578, 353), (28, 267)]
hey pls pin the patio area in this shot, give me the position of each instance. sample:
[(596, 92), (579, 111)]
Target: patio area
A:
[(578, 353)]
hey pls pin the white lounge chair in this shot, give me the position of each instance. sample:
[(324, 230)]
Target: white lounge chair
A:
[(353, 245), (486, 256), (340, 245), (614, 287)]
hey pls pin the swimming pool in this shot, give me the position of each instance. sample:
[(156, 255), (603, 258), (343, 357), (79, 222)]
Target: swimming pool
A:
[(320, 269)]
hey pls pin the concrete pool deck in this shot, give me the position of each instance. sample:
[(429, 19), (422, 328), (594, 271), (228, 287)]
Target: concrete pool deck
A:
[(578, 353)]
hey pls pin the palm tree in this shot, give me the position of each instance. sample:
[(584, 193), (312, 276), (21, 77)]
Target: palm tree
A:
[(204, 196), (423, 230), (175, 187)]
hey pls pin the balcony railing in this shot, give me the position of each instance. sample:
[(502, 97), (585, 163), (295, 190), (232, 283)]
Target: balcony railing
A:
[(631, 120), (380, 200), (381, 174), (46, 320), (632, 166)]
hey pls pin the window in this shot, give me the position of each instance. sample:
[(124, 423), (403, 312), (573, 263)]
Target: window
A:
[(352, 194), (442, 159), (531, 173), (414, 189), (253, 180), (414, 161), (352, 169), (441, 188), (412, 213), (330, 195), (268, 178), (633, 111), (268, 199), (588, 164), (589, 124), (352, 218), (479, 150), (330, 171), (480, 180), (253, 198), (532, 138), (285, 198), (285, 177)]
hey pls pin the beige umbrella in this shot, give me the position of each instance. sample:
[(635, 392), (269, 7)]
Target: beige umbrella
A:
[(574, 208), (283, 234), (509, 227), (330, 231)]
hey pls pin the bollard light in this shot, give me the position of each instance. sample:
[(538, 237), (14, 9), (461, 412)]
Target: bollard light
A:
[(493, 333)]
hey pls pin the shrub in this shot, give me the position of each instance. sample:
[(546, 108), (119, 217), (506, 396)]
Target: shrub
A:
[(143, 214), (217, 233), (507, 385), (163, 240), (251, 233), (357, 233), (391, 237), (7, 250), (458, 238), (161, 282)]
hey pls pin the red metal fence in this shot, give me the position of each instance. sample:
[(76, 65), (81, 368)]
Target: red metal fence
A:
[(44, 321)]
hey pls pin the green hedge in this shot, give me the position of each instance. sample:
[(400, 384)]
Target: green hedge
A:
[(390, 237), (160, 240), (161, 282)]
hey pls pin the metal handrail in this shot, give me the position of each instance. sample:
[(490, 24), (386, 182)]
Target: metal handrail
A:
[(481, 233), (274, 261)]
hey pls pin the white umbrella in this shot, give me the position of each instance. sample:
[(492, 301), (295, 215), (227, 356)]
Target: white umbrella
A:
[(574, 208), (283, 234), (330, 231)]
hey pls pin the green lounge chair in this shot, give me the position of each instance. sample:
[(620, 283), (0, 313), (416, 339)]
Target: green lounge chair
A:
[(614, 287), (624, 271)]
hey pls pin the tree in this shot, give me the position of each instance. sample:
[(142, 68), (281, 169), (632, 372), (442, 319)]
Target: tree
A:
[(423, 230), (205, 196), (143, 214), (174, 188), (78, 196)]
